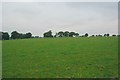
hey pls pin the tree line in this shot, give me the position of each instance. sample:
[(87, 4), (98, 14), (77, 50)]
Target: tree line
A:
[(72, 34), (17, 35), (61, 34)]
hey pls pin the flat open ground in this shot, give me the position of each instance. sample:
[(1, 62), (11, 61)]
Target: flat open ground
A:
[(82, 57)]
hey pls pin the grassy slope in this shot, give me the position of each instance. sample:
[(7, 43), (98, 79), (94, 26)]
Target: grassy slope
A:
[(60, 57)]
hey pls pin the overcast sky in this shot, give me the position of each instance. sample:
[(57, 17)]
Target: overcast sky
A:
[(81, 17)]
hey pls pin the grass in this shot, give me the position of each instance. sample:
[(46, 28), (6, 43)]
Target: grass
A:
[(0, 59), (61, 57)]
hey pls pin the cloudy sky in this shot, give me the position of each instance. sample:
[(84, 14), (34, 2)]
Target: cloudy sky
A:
[(81, 17)]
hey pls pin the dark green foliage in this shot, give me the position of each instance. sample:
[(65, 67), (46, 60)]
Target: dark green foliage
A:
[(99, 35), (66, 34), (48, 34), (0, 35), (71, 34), (113, 35), (93, 35), (28, 35), (76, 34), (36, 37), (86, 35), (107, 35), (5, 36), (22, 36), (61, 34), (16, 35), (118, 35)]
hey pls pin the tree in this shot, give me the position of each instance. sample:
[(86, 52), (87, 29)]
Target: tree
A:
[(56, 35), (86, 35), (36, 37), (48, 34), (61, 34), (113, 35), (100, 35), (0, 35), (5, 36), (93, 35), (118, 35), (66, 34), (107, 35), (14, 35), (22, 36), (71, 34), (76, 34), (28, 35)]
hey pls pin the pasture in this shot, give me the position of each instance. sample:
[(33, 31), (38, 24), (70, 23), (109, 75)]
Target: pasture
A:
[(84, 57)]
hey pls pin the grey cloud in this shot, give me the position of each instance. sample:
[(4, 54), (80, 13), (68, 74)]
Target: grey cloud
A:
[(38, 17)]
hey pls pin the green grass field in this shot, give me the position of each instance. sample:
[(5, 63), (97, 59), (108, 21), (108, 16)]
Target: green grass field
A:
[(84, 57), (0, 59)]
